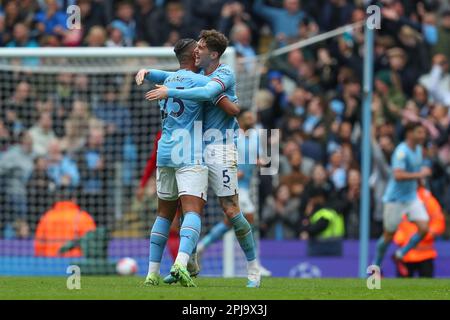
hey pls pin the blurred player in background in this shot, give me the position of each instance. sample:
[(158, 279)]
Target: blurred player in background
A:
[(401, 198), (248, 146), (221, 150), (421, 258)]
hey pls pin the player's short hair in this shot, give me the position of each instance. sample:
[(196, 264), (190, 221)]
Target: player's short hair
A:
[(411, 126), (215, 40), (181, 48)]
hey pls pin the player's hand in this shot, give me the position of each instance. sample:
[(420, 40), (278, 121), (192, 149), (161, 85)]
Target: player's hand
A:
[(157, 94), (425, 172), (140, 194), (140, 76)]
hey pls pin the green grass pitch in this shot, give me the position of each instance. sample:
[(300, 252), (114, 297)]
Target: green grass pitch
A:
[(116, 287)]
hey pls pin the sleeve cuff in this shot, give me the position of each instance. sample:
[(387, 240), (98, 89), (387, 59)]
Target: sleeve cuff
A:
[(171, 93), (219, 98)]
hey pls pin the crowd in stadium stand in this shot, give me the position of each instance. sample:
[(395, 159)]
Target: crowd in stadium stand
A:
[(314, 95)]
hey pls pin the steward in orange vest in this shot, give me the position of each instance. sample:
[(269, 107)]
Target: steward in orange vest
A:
[(65, 221)]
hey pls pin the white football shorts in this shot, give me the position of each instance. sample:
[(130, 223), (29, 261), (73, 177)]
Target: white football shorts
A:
[(394, 211), (245, 201), (222, 160), (171, 183)]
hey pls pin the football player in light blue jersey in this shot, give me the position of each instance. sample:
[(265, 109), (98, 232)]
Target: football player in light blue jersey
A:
[(400, 196), (221, 128), (176, 171), (248, 153)]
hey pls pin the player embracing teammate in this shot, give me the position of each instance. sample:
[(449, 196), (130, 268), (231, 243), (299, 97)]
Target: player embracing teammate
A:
[(220, 129)]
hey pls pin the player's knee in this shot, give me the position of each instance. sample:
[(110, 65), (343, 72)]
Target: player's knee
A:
[(388, 236), (422, 229), (249, 218), (230, 205)]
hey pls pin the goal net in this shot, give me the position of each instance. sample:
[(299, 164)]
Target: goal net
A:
[(76, 128)]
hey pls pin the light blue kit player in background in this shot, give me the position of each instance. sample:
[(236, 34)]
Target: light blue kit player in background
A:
[(400, 196)]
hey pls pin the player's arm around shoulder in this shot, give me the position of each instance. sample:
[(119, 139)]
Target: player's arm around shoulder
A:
[(230, 108), (154, 75), (224, 76)]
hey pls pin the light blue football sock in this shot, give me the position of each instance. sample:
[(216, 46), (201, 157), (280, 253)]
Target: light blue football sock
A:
[(215, 234), (158, 238), (190, 232), (244, 235), (415, 239), (381, 248)]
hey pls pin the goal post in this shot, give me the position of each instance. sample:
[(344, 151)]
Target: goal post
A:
[(82, 107)]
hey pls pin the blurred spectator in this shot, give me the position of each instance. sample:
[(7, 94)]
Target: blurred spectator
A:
[(63, 97), (42, 134), (443, 38), (327, 69), (40, 191), (5, 137), (233, 14), (241, 40), (336, 170), (144, 14), (430, 28), (96, 37), (390, 96), (91, 164), (52, 21), (115, 38), (349, 205), (13, 123), (117, 120), (322, 225), (319, 179), (437, 81), (335, 13), (293, 161), (172, 24), (279, 215), (92, 14), (61, 168), (16, 165), (283, 21), (9, 19), (20, 103), (81, 118), (314, 127), (21, 37), (420, 97), (65, 221), (406, 73), (206, 12), (73, 140), (264, 100), (125, 23)]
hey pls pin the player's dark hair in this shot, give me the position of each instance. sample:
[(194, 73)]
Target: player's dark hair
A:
[(215, 40), (411, 126), (182, 47)]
